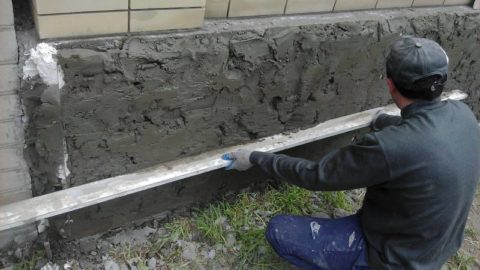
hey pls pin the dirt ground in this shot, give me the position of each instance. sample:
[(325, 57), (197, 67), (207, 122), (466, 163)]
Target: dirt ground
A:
[(223, 235)]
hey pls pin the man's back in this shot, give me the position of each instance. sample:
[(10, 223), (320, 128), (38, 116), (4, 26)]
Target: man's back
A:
[(421, 171), (416, 220)]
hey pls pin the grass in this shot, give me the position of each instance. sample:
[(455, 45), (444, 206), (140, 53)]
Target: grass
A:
[(239, 226), (245, 221), (462, 261), (471, 233), (235, 230), (30, 263), (337, 199)]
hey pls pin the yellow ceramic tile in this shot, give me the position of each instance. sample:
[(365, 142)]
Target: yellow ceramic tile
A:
[(166, 19), (355, 4), (458, 2), (70, 6), (239, 8), (153, 4), (217, 8), (420, 3), (394, 3), (88, 24), (308, 6)]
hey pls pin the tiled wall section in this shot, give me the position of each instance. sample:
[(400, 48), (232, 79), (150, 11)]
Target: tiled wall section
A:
[(99, 17), (239, 8), (43, 7), (154, 15), (14, 178), (73, 18)]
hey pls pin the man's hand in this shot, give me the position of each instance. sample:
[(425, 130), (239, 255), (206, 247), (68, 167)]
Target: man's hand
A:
[(382, 120), (239, 160), (373, 123)]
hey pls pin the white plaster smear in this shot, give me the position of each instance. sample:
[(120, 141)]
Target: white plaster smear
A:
[(63, 172), (42, 62)]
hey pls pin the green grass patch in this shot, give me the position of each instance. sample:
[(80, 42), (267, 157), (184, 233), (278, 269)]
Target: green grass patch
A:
[(471, 233), (30, 263), (240, 225), (246, 219), (462, 261), (337, 199)]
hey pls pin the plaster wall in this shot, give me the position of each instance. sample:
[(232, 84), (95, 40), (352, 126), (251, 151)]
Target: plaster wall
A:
[(133, 102)]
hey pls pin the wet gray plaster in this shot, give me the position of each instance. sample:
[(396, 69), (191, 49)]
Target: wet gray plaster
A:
[(133, 102)]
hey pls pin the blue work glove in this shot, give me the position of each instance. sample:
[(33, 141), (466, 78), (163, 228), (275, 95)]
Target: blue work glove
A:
[(239, 160)]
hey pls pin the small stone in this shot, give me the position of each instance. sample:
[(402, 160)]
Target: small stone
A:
[(161, 232), (18, 253), (87, 244), (231, 240), (104, 246), (111, 265), (67, 266), (48, 250), (218, 247), (152, 264), (189, 251), (220, 220), (40, 263), (26, 237), (43, 225), (63, 233), (50, 266), (93, 253), (321, 215), (339, 213), (211, 254), (132, 263)]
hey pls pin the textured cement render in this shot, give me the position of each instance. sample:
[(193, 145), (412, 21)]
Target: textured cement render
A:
[(132, 102)]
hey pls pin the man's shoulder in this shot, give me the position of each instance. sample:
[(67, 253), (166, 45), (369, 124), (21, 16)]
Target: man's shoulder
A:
[(459, 105)]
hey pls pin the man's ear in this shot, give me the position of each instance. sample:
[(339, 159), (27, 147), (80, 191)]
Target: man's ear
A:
[(391, 87)]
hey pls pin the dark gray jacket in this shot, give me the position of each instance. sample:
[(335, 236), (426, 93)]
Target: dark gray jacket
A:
[(421, 171)]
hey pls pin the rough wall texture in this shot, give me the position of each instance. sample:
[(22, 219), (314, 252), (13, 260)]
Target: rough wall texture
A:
[(133, 102), (177, 198)]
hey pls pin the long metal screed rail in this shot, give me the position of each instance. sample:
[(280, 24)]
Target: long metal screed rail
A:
[(68, 200)]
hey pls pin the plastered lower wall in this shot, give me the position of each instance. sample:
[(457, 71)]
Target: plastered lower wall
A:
[(136, 102)]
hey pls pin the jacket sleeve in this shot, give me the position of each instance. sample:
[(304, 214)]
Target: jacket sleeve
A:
[(361, 164)]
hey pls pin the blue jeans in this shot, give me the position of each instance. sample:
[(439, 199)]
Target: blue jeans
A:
[(319, 243)]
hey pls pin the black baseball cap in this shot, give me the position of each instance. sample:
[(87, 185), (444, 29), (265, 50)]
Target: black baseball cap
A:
[(412, 59)]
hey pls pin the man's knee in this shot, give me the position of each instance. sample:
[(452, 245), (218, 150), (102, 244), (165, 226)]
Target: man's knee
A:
[(275, 227)]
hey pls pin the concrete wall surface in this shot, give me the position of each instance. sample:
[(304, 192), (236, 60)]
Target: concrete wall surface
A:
[(178, 198), (15, 183), (135, 102)]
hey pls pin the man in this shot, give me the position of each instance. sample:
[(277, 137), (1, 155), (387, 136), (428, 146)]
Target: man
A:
[(421, 171)]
